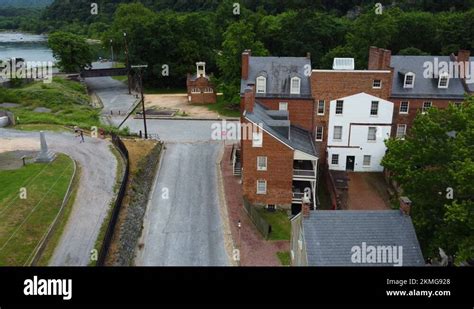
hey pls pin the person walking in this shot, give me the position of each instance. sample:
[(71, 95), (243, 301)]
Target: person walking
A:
[(81, 132)]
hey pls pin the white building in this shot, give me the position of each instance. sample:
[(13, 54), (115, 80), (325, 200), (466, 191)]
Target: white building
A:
[(358, 127)]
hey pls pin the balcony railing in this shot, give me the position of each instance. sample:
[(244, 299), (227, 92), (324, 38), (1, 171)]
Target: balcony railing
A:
[(308, 174)]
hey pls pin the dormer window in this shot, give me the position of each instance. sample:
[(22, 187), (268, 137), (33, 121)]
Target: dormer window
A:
[(409, 80), (443, 81), (261, 84), (295, 85)]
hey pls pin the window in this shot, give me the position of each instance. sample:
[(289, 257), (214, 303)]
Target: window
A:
[(283, 106), (208, 90), (261, 187), (261, 84), (372, 135), (257, 139), (426, 106), (366, 160), (295, 85), (443, 81), (261, 163), (409, 80), (374, 108), (196, 90), (335, 159), (337, 133), (339, 107), (319, 133), (401, 130), (404, 106), (377, 84), (321, 107)]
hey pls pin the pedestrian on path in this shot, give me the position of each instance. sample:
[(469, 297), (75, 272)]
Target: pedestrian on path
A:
[(82, 136)]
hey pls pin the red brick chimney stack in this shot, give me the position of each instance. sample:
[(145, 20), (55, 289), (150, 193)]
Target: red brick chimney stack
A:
[(463, 55), (249, 98), (305, 210), (379, 58), (405, 205), (245, 63)]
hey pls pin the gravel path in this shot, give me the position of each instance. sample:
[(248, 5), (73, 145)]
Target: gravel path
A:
[(98, 169)]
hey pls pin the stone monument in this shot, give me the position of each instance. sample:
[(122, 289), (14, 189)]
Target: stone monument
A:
[(45, 156)]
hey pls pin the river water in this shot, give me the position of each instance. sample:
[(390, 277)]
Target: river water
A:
[(31, 47)]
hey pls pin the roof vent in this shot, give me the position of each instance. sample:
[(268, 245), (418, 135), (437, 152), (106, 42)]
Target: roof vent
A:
[(343, 64)]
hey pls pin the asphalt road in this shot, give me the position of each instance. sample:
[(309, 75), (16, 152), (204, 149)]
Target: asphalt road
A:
[(183, 226), (98, 169)]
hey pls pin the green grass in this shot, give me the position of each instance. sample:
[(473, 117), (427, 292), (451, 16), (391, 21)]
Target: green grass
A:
[(222, 108), (284, 257), (42, 127), (281, 226), (68, 101), (23, 222)]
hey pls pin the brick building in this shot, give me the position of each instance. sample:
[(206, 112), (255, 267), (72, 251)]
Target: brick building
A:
[(200, 88), (414, 89), (279, 161)]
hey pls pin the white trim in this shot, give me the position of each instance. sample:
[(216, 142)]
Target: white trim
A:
[(261, 79), (358, 71), (442, 76), (265, 182), (284, 104), (404, 130), (298, 90), (379, 87), (316, 134), (324, 108), (400, 108), (405, 80), (262, 168)]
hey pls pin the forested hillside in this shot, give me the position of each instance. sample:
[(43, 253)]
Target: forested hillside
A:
[(25, 3)]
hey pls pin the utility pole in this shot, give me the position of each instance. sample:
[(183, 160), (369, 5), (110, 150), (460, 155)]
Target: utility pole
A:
[(112, 51), (127, 63), (139, 67)]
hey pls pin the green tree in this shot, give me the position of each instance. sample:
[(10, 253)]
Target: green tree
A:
[(434, 165), (72, 51), (411, 51)]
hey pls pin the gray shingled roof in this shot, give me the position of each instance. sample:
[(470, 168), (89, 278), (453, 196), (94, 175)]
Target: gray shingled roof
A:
[(424, 87), (279, 71), (299, 138), (331, 234)]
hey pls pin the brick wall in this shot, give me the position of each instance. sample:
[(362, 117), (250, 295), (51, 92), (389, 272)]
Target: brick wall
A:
[(415, 106), (300, 111), (332, 85), (279, 174)]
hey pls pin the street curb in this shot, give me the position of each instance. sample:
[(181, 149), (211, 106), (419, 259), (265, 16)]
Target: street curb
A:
[(188, 118), (223, 210)]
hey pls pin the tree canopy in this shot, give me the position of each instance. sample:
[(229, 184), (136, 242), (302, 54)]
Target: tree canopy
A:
[(72, 51)]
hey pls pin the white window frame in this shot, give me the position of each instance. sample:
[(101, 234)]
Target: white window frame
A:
[(264, 160), (376, 111), (195, 90), (443, 77), (324, 107), (404, 126), (257, 139), (264, 182), (342, 107), (408, 107), (405, 85), (369, 135), (296, 90), (280, 104), (375, 81), (335, 156), (334, 133), (322, 133), (261, 84), (208, 90), (425, 109), (364, 163)]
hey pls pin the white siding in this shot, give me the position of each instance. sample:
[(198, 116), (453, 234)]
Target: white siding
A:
[(355, 122)]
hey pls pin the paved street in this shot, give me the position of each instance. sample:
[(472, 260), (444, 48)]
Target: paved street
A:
[(185, 228), (98, 168)]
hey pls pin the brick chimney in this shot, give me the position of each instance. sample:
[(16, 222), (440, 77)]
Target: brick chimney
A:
[(405, 205), (249, 98), (379, 58), (463, 55), (305, 210), (245, 63)]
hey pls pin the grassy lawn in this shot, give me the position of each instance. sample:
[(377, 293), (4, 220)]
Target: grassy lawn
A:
[(23, 222), (281, 226), (222, 108), (42, 127), (284, 257), (68, 101)]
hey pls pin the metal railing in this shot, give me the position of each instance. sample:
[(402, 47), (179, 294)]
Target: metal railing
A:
[(305, 173)]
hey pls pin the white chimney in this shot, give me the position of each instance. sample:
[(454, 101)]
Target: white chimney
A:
[(201, 69)]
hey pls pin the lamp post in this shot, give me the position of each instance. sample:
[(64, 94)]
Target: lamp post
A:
[(239, 226), (127, 62), (139, 67), (112, 51)]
